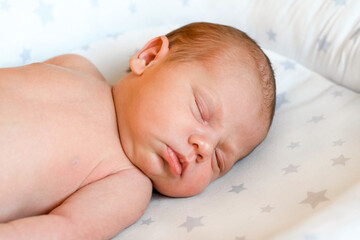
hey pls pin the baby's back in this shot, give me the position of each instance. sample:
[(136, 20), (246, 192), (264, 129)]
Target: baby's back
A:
[(58, 132)]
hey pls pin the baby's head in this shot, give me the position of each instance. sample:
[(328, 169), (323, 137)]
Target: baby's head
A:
[(196, 101)]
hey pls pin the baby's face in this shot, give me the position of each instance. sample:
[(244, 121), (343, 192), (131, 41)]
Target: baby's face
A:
[(186, 126)]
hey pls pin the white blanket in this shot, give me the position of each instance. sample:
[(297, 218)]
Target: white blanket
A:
[(303, 182)]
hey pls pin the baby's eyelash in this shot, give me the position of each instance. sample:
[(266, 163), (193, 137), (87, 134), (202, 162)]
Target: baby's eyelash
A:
[(218, 161), (199, 109)]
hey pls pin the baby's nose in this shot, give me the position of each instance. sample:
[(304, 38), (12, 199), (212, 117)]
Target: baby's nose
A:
[(203, 146)]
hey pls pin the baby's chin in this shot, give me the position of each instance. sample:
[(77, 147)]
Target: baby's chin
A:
[(179, 191), (177, 194)]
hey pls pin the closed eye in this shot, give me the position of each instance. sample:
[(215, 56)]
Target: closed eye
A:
[(202, 109), (199, 109), (219, 160)]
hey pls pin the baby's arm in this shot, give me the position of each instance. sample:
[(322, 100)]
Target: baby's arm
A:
[(99, 210)]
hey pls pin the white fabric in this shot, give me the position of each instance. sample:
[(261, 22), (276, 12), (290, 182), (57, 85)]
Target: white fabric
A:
[(323, 35), (303, 181)]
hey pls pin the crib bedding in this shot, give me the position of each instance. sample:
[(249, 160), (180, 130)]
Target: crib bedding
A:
[(303, 181)]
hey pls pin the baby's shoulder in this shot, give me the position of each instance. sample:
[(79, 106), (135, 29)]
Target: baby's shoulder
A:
[(71, 72), (76, 63)]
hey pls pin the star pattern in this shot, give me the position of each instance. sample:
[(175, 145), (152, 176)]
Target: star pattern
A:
[(294, 145), (115, 35), (95, 2), (271, 35), (310, 237), (147, 221), (316, 119), (185, 2), (341, 160), (237, 189), (288, 65), (85, 47), (132, 8), (323, 44), (267, 209), (290, 169), (191, 223), (240, 238), (4, 5), (339, 2), (338, 142), (314, 198), (25, 55), (45, 11), (280, 100)]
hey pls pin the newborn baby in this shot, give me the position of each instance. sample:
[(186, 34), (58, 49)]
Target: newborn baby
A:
[(79, 158)]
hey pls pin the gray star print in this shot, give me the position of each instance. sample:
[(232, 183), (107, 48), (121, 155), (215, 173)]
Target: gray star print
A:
[(192, 223), (240, 238), (237, 189), (132, 8), (339, 142), (314, 198), (45, 11), (280, 100), (288, 65), (294, 145), (323, 44), (291, 168), (4, 5), (271, 35), (341, 160), (310, 237), (114, 35), (339, 2), (317, 119), (25, 55), (85, 47), (95, 2), (268, 209), (147, 221), (185, 2)]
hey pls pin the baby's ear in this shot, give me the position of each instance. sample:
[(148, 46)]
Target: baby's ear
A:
[(153, 51)]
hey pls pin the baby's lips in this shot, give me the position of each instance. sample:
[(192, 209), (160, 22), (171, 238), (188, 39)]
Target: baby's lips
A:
[(174, 161)]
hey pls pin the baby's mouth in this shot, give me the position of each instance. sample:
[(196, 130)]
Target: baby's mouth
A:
[(175, 161)]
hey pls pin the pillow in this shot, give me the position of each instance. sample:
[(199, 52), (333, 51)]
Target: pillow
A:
[(322, 35)]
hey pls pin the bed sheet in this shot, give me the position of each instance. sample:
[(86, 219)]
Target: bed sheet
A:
[(303, 181)]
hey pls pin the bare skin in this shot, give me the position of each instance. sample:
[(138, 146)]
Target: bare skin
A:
[(61, 154)]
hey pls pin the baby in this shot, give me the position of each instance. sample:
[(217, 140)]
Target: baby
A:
[(79, 158)]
